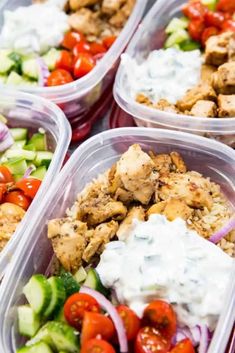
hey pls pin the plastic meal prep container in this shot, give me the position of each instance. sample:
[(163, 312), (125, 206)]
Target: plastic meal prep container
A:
[(150, 36), (76, 98), (90, 159), (24, 110)]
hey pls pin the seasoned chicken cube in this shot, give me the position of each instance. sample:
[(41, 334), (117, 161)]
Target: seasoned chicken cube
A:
[(114, 180), (203, 91), (204, 108), (206, 73), (111, 6), (85, 21), (142, 99), (125, 227), (103, 233), (138, 174), (224, 78), (172, 209), (162, 162), (68, 240), (226, 106), (190, 187), (165, 106), (118, 20), (178, 162), (78, 4), (231, 48), (216, 51)]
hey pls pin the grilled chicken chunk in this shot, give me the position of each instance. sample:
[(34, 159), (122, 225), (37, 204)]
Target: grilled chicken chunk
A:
[(224, 79), (85, 21), (118, 20), (172, 209), (78, 4), (206, 73), (165, 106), (204, 108), (226, 104), (216, 51), (110, 7), (125, 227)]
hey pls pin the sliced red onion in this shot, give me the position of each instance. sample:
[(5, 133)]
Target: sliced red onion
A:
[(43, 72), (205, 339), (108, 306), (28, 171), (6, 139), (227, 228), (194, 334)]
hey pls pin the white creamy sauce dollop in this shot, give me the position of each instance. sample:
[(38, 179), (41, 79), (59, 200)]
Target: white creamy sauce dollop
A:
[(165, 74), (34, 28), (162, 259)]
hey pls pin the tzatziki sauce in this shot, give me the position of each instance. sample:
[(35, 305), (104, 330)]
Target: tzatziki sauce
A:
[(165, 74), (165, 260)]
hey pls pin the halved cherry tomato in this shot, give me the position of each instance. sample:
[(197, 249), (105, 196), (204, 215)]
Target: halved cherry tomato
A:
[(215, 19), (29, 186), (208, 32), (71, 39), (59, 77), (194, 10), (149, 340), (184, 346), (196, 28), (226, 6), (81, 47), (18, 198), (83, 65), (108, 41), (97, 346), (5, 175), (97, 48), (228, 25), (130, 320), (3, 190), (76, 306), (161, 316), (65, 61), (95, 324)]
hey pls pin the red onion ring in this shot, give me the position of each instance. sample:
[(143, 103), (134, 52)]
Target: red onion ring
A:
[(227, 228), (205, 339), (6, 139), (43, 72), (28, 171)]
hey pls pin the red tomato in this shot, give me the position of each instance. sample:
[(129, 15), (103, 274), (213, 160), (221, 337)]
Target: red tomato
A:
[(84, 63), (76, 306), (29, 186), (108, 41), (215, 19), (65, 61), (228, 25), (5, 175), (130, 320), (97, 346), (226, 6), (97, 48), (59, 77), (161, 316), (196, 28), (194, 10), (184, 346), (71, 39), (3, 190), (149, 340), (208, 32), (95, 324), (81, 47), (18, 198)]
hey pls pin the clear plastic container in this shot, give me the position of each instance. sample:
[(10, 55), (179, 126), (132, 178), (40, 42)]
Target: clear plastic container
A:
[(149, 36), (24, 110), (91, 158), (76, 98)]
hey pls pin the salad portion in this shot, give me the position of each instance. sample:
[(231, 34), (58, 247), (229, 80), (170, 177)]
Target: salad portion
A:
[(194, 73), (52, 43), (138, 259), (24, 160)]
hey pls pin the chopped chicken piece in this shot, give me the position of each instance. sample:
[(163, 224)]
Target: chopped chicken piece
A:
[(203, 108), (206, 73), (86, 22), (138, 174), (224, 78), (111, 6), (162, 162), (142, 99), (68, 241), (172, 209), (118, 20), (178, 162), (231, 48), (226, 106), (190, 187), (78, 4), (124, 196), (203, 91), (216, 51), (165, 106), (114, 180), (103, 233), (125, 227), (157, 208)]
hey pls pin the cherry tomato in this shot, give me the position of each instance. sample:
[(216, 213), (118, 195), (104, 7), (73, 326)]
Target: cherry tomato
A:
[(65, 61), (208, 32), (18, 198), (196, 28), (130, 320), (228, 25), (81, 47), (5, 175), (215, 19), (226, 6), (97, 346), (76, 306), (149, 340), (108, 41), (29, 186), (95, 324), (83, 65), (184, 346), (3, 190), (59, 77), (194, 10), (97, 48), (71, 39), (161, 316)]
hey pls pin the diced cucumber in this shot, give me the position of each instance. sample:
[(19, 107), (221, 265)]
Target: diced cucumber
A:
[(14, 79), (19, 134), (189, 45), (39, 173), (39, 141), (43, 158), (30, 68), (28, 155), (177, 23), (18, 145), (30, 147), (6, 64), (28, 321), (39, 347), (176, 38), (16, 165), (17, 59), (70, 284), (93, 281), (18, 177), (38, 293), (80, 275), (211, 4), (51, 57), (58, 295), (59, 316)]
